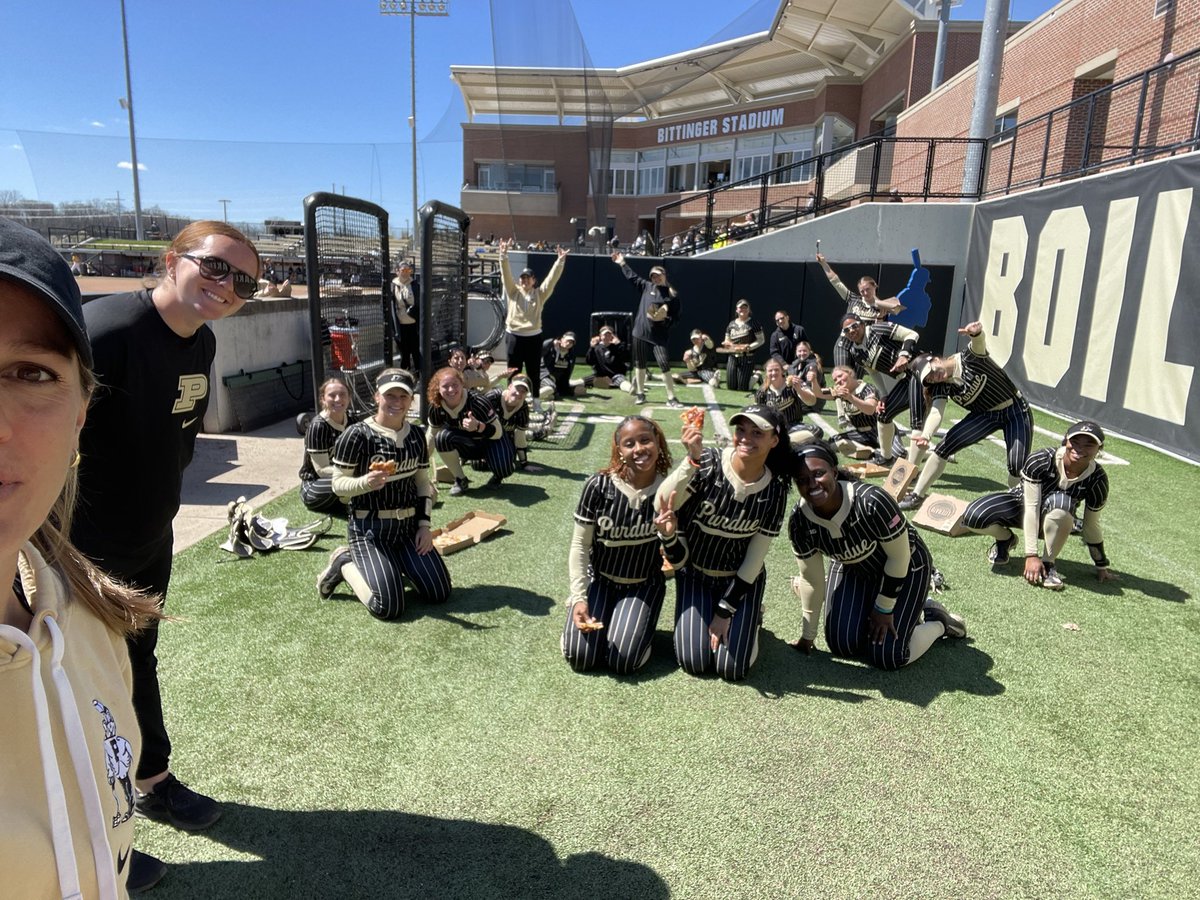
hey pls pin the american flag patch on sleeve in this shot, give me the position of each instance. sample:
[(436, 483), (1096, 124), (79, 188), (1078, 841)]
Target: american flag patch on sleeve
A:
[(896, 521)]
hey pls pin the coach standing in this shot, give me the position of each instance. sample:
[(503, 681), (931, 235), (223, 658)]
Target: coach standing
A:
[(153, 351), (524, 300)]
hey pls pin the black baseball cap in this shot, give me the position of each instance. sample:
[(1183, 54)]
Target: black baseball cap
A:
[(527, 271), (1088, 427), (395, 381), (764, 417), (27, 257)]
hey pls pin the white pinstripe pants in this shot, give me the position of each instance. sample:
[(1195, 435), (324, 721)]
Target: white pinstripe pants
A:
[(385, 552)]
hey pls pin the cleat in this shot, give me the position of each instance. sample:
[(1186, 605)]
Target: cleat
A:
[(1001, 551), (460, 487), (639, 399), (912, 500), (955, 625), (1076, 525), (331, 575), (1052, 579), (880, 460)]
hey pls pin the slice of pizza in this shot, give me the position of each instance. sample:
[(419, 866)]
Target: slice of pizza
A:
[(693, 417)]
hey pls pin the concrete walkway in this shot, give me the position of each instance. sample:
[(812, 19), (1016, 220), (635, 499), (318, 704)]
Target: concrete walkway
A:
[(259, 466)]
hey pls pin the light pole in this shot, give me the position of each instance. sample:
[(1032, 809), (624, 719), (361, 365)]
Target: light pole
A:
[(412, 9), (127, 102), (224, 209)]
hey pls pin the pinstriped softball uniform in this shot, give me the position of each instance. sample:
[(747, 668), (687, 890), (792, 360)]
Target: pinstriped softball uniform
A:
[(879, 349), (696, 595), (440, 417), (718, 525), (510, 421), (856, 418), (384, 550), (857, 570), (984, 385), (1007, 508), (630, 614), (626, 541), (786, 402), (319, 438)]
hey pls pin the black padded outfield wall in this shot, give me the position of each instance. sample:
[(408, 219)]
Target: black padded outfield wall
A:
[(709, 289), (1088, 296)]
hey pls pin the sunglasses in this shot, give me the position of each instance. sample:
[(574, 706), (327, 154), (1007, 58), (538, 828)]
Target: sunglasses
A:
[(849, 328), (213, 268)]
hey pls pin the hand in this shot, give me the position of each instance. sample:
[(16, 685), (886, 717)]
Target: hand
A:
[(424, 540), (878, 626), (692, 439), (666, 521), (595, 340), (919, 440), (1104, 573), (718, 632), (579, 613), (562, 252), (804, 645), (901, 364), (841, 392), (502, 247), (821, 258), (470, 423), (972, 329), (618, 257), (376, 479), (509, 373), (1034, 570)]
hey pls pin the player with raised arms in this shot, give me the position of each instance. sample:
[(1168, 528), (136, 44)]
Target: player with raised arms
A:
[(731, 505), (382, 468), (658, 307), (615, 564), (875, 598)]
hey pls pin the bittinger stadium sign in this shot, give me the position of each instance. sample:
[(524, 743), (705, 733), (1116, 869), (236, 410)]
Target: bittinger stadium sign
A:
[(751, 121)]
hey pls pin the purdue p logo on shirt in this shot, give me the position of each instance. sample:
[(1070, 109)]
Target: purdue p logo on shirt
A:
[(192, 389)]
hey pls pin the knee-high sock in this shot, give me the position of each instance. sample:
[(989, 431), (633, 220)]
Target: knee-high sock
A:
[(923, 637), (669, 383), (887, 433), (640, 378), (932, 472), (1014, 480), (453, 463), (354, 578), (1057, 529)]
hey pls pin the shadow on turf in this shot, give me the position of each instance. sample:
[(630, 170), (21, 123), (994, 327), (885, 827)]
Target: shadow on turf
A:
[(1083, 576), (485, 598), (948, 667), (383, 853)]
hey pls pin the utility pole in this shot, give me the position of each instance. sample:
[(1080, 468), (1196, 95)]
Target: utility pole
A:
[(127, 102), (413, 8), (224, 209), (987, 89)]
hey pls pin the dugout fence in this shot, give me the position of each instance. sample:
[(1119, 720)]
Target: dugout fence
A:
[(349, 277)]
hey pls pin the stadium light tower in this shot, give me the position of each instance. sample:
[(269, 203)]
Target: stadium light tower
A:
[(412, 9), (127, 104)]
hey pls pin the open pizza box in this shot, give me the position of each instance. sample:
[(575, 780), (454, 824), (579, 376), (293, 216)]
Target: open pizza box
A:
[(465, 531), (866, 469), (943, 514)]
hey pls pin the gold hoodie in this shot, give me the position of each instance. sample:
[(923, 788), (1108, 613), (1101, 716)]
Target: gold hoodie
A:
[(68, 748)]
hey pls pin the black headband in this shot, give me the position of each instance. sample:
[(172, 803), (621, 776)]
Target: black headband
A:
[(817, 449)]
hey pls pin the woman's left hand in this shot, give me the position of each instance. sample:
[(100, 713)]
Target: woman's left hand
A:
[(878, 626), (718, 631), (424, 540)]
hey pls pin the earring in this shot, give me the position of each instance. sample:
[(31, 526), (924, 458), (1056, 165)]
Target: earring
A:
[(75, 461)]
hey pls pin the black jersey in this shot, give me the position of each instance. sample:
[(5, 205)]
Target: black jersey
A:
[(440, 417), (607, 359), (784, 341), (651, 294), (626, 542), (881, 346), (555, 363), (141, 428), (855, 417), (510, 420), (366, 442), (786, 402), (1042, 470), (981, 384), (718, 523), (320, 438), (743, 334), (869, 518)]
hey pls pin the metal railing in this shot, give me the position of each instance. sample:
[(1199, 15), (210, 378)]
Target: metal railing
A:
[(876, 168), (1151, 114)]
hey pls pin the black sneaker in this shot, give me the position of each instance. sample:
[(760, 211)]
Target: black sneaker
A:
[(639, 399), (880, 460), (1001, 552), (912, 500), (145, 871), (460, 487), (495, 481), (331, 575), (673, 403), (175, 803), (955, 625)]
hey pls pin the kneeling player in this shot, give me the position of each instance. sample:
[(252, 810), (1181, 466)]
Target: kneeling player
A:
[(1053, 482)]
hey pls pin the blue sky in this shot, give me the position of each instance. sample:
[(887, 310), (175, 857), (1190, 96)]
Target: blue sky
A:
[(264, 101)]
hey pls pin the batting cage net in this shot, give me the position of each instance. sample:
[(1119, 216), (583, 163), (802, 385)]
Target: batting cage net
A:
[(443, 274), (346, 253)]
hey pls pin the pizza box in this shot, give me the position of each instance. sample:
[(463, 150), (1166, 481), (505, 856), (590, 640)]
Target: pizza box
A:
[(943, 514), (899, 478), (867, 470), (444, 475), (465, 531)]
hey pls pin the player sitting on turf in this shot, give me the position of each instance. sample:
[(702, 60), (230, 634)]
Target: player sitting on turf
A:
[(858, 437), (558, 364), (607, 357), (701, 360), (787, 395), (1053, 482)]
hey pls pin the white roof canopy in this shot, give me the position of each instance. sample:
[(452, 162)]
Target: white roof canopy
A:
[(809, 41)]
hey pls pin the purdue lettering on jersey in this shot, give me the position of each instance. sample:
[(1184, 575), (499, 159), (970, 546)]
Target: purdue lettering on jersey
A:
[(874, 519), (192, 389), (360, 445), (718, 524), (626, 542)]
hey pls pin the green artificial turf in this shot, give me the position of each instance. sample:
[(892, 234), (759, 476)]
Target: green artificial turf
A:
[(455, 754)]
